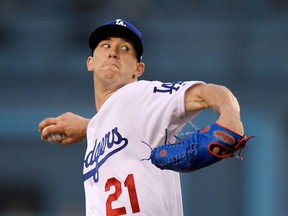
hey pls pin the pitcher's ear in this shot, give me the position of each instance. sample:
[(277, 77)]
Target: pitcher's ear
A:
[(89, 63), (139, 69)]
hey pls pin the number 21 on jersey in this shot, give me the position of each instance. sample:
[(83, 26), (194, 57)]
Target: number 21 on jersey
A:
[(129, 183)]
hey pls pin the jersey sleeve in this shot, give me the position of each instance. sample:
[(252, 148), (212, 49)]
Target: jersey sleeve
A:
[(159, 106)]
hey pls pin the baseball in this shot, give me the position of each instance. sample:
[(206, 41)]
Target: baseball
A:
[(55, 138)]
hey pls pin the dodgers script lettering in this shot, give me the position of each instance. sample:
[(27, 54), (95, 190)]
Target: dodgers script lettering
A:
[(109, 145)]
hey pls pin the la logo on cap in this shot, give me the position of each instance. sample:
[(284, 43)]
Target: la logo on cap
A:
[(120, 22)]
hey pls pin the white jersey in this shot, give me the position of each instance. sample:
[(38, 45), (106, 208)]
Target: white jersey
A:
[(133, 120)]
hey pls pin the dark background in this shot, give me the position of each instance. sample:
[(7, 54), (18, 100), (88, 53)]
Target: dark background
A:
[(240, 44)]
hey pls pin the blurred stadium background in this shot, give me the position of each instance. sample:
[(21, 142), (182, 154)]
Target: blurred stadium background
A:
[(240, 44)]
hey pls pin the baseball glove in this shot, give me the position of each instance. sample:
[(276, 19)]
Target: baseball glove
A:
[(196, 151)]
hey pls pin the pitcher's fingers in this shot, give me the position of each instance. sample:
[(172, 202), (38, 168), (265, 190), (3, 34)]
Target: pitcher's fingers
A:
[(46, 122), (67, 141), (51, 129)]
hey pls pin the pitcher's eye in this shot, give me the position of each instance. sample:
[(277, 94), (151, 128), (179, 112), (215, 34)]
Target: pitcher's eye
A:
[(125, 48), (105, 45)]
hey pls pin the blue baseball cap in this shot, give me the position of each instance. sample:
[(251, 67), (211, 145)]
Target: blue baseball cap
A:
[(118, 28)]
